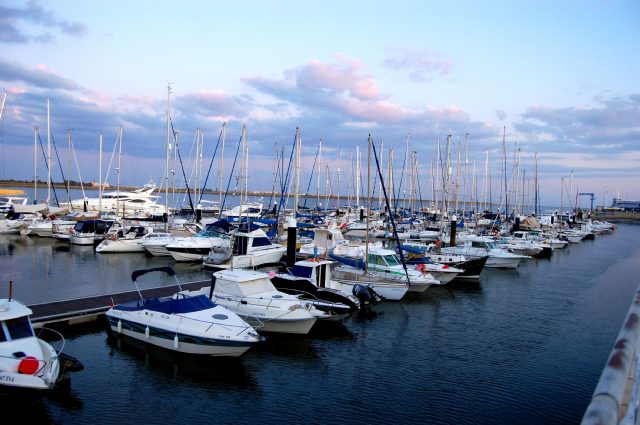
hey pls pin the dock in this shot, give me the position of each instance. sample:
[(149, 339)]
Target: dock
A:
[(88, 309), (616, 399)]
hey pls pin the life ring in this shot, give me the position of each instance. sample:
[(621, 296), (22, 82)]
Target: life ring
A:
[(422, 268)]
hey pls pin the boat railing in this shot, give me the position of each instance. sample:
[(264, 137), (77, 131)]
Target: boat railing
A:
[(616, 399)]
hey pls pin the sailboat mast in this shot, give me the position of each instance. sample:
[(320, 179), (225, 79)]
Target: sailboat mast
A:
[(35, 164), (48, 152), (318, 176), (118, 172), (167, 155), (100, 177), (69, 166), (366, 246), (224, 135)]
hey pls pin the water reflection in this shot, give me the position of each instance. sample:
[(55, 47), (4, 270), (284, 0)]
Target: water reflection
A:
[(222, 373)]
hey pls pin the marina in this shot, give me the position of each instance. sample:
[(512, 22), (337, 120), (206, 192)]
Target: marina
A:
[(523, 345)]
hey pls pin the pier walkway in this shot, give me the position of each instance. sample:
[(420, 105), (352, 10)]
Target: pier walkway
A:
[(81, 310), (616, 399)]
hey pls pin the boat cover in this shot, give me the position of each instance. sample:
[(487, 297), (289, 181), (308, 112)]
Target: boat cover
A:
[(170, 305)]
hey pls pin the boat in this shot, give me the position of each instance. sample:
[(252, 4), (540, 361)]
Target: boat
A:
[(251, 295), (195, 248), (481, 246), (129, 240), (7, 202), (183, 323), (386, 264), (250, 247), (27, 361), (124, 202), (310, 280), (90, 232), (155, 243), (244, 212)]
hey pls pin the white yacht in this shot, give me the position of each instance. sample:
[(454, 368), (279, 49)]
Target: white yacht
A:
[(249, 249), (481, 246), (197, 247), (252, 296)]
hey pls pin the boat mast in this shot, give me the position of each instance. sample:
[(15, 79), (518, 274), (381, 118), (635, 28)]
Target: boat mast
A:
[(48, 151), (118, 173), (69, 166), (224, 133), (167, 155), (366, 245), (318, 176), (35, 164), (100, 178)]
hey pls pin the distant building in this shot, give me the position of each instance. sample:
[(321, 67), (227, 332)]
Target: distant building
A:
[(104, 186), (621, 204)]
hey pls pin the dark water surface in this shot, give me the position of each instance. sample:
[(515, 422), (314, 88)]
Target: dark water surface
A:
[(522, 346)]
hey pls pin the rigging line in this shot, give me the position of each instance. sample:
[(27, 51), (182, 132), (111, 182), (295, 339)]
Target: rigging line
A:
[(44, 155), (66, 184), (175, 139), (224, 199), (210, 166), (313, 168), (286, 179), (393, 222)]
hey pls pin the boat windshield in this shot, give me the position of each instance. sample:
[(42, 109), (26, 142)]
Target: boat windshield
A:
[(392, 260), (19, 328)]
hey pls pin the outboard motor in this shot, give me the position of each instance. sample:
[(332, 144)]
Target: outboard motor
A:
[(366, 294)]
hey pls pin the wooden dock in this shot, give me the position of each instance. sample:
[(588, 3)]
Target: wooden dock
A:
[(83, 310)]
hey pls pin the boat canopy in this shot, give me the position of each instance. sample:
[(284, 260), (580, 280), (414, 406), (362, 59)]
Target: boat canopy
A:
[(171, 305)]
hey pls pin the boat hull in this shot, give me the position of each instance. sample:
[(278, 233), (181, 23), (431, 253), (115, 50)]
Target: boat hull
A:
[(186, 343)]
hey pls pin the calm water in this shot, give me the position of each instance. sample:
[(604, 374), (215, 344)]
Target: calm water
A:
[(520, 347)]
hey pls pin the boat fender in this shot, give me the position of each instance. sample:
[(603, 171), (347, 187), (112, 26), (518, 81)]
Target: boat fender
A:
[(28, 365), (175, 342), (119, 326), (146, 332)]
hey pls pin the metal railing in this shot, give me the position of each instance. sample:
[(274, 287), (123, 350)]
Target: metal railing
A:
[(615, 400)]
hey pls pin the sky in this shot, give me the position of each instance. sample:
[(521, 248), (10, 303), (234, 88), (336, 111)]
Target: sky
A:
[(548, 90)]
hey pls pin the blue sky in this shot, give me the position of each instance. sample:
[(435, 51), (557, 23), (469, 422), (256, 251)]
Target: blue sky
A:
[(561, 78)]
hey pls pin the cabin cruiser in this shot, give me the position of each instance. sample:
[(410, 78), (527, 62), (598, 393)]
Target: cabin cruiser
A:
[(127, 240), (252, 296), (386, 264), (481, 246), (197, 247), (184, 323), (141, 202), (250, 247), (28, 362), (90, 232), (421, 253), (311, 280)]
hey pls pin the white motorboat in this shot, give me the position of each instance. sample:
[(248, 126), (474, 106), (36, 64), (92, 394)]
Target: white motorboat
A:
[(246, 211), (184, 323), (155, 243), (28, 362), (90, 232), (249, 249), (195, 248), (350, 277), (481, 246), (444, 268), (311, 280), (123, 202), (128, 241), (387, 265), (252, 296), (7, 202)]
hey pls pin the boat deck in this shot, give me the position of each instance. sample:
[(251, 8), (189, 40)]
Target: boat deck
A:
[(81, 310)]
